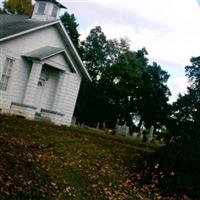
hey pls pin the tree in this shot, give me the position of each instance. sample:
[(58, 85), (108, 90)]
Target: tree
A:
[(70, 24), (153, 107), (122, 81), (95, 57), (99, 56), (185, 121), (20, 7), (95, 52), (124, 85), (182, 152)]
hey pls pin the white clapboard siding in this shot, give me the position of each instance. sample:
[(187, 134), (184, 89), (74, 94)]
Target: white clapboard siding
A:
[(21, 45)]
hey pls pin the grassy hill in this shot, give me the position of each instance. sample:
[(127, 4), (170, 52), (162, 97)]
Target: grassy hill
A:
[(44, 161)]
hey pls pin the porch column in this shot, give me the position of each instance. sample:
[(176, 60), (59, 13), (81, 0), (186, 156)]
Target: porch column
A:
[(61, 92), (32, 84)]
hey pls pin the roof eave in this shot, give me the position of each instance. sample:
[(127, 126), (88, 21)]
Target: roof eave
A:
[(45, 57), (73, 68), (74, 51), (27, 31)]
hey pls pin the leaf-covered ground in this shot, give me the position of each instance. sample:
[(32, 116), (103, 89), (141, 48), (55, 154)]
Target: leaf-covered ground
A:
[(44, 161)]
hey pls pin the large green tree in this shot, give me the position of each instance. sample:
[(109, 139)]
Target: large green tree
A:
[(122, 81), (154, 95), (71, 26), (182, 152), (20, 7), (124, 85), (93, 100), (185, 121), (95, 52), (96, 103)]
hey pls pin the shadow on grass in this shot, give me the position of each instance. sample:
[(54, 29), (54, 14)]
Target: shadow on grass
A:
[(174, 170)]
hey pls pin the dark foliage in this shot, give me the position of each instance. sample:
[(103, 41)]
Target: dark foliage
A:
[(184, 123), (124, 84), (70, 24), (174, 169)]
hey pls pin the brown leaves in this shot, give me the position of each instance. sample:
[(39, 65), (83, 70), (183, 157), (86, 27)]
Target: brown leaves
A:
[(105, 170), (77, 165)]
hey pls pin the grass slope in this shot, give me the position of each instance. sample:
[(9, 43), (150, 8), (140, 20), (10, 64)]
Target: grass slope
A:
[(44, 161)]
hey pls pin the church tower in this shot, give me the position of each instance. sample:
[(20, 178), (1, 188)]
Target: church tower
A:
[(45, 10)]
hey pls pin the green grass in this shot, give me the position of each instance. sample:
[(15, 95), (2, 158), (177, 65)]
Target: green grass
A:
[(44, 161)]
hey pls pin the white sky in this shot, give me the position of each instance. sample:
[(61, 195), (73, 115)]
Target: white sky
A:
[(169, 29)]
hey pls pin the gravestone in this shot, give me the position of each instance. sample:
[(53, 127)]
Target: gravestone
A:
[(150, 136), (104, 126), (122, 130), (98, 124)]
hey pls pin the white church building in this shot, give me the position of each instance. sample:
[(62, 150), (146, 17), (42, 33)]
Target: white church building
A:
[(40, 70)]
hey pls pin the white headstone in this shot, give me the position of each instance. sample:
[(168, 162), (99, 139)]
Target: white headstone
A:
[(98, 124), (151, 133), (122, 130)]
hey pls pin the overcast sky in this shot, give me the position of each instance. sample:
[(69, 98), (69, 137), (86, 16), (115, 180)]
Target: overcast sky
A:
[(169, 29)]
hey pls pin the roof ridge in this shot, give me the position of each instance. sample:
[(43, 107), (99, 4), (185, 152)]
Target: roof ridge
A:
[(15, 24)]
